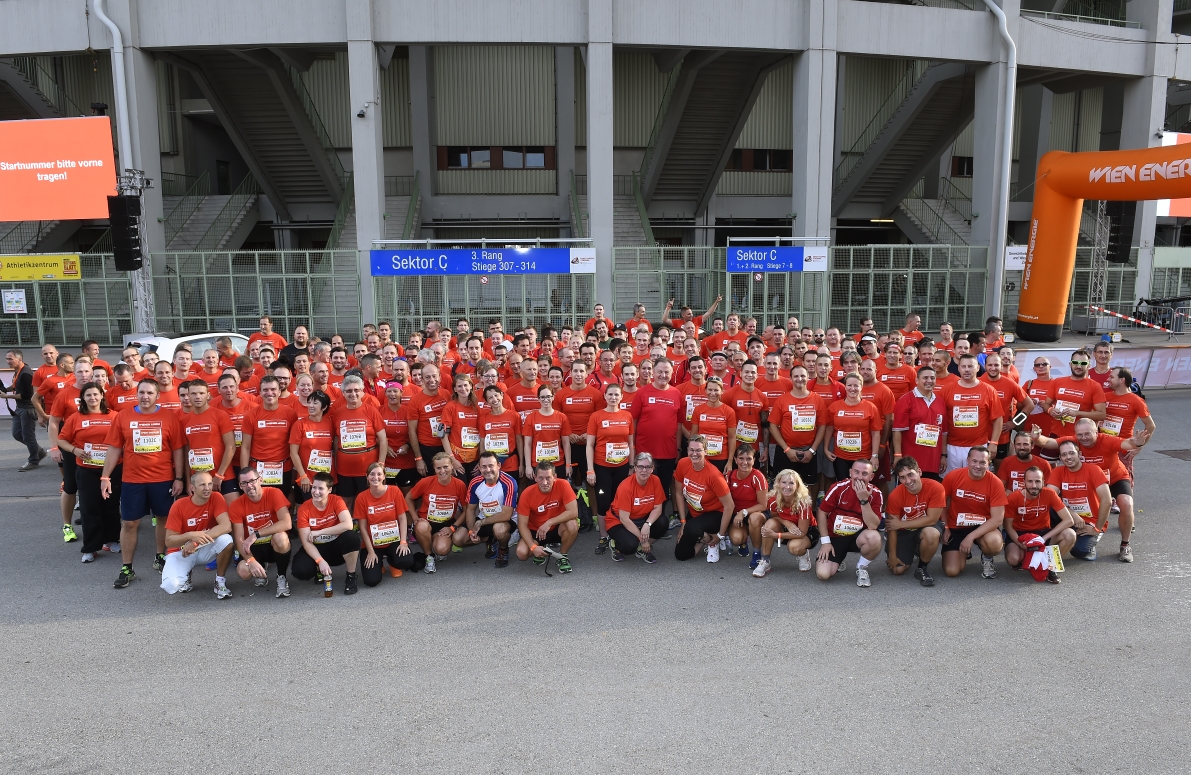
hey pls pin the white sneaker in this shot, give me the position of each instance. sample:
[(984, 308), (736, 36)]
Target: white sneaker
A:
[(262, 581), (725, 544), (114, 547), (843, 566), (988, 570), (186, 585), (675, 523), (862, 579), (90, 557), (1126, 554), (221, 590), (282, 587), (762, 569), (713, 552), (515, 537), (804, 561), (430, 564), (1114, 508)]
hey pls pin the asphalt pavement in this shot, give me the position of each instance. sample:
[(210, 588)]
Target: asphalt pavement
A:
[(614, 668)]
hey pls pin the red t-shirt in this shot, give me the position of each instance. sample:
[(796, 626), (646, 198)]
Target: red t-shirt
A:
[(701, 490), (524, 399), (774, 390), (1031, 516), (715, 424), (546, 435), (66, 402), (204, 440), (749, 491), (656, 414), (269, 431), (313, 518), (1039, 390), (832, 391), (188, 517), (147, 442), (972, 499), (1122, 413), (50, 386), (275, 339), (900, 379), (638, 501), (879, 396), (611, 431), (1010, 394), (356, 446), (693, 396), (1012, 472), (315, 445), (970, 414), (1073, 395), (1078, 490), (439, 502), (236, 415), (852, 428), (464, 434), (381, 516), (921, 426), (499, 434), (798, 419), (260, 515), (539, 507), (578, 405), (844, 512), (1104, 454), (397, 435), (748, 406), (120, 399), (89, 431), (427, 412), (905, 506)]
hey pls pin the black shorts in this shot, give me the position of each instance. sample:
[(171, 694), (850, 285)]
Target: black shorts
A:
[(405, 478), (808, 472), (719, 464), (932, 475), (428, 454), (958, 534), (437, 526), (231, 485), (486, 529), (351, 486), (908, 541), (70, 484), (551, 538), (1121, 487), (843, 468), (663, 469), (843, 545), (608, 479), (265, 553)]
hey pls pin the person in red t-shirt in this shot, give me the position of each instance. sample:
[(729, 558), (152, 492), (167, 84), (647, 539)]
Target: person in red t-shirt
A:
[(895, 375), (1012, 470), (260, 526), (197, 531), (853, 429), (266, 334), (66, 404), (46, 390), (973, 416), (424, 414), (750, 497), (1013, 400), (791, 516), (975, 510), (326, 530), (848, 518), (702, 492), (360, 440), (547, 513), (83, 438), (210, 440), (634, 520), (657, 413), (383, 516), (439, 501), (265, 444), (1084, 489), (914, 509), (918, 425), (1075, 397), (1037, 509), (797, 426)]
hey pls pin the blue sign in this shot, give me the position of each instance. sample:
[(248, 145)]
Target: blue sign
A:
[(388, 263), (777, 259)]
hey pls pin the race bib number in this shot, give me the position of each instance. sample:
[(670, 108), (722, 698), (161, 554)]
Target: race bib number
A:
[(324, 539), (690, 408), (353, 435), (1067, 408), (146, 440), (319, 461), (1080, 507), (385, 533), (436, 426), (849, 441), (1111, 425), (94, 454), (616, 452), (497, 443), (272, 474), (747, 432), (439, 510), (392, 473), (965, 416), (802, 418), (469, 438), (693, 494), (201, 459), (847, 525), (967, 519), (926, 435), (715, 445), (547, 451), (489, 508), (239, 436)]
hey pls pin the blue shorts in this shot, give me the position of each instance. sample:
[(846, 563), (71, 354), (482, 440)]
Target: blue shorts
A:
[(140, 498)]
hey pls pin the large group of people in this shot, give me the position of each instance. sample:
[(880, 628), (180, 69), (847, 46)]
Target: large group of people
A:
[(719, 434)]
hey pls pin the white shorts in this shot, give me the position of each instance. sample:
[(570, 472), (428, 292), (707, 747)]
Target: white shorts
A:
[(177, 568), (957, 457)]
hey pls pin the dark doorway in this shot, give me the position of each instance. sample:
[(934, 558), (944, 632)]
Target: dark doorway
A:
[(223, 177)]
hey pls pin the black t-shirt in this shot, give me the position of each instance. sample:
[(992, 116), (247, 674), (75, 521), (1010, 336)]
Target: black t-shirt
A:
[(22, 385)]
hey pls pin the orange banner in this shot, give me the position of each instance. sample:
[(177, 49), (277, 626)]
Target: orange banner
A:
[(56, 169)]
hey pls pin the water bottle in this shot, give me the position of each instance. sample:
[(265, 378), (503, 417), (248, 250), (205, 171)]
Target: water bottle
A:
[(327, 589)]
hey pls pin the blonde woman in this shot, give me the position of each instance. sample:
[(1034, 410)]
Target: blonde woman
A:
[(790, 520)]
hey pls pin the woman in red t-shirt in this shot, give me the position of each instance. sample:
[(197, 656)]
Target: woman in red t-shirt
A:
[(853, 429), (310, 445), (439, 501), (383, 516), (399, 463), (716, 422), (83, 435), (543, 431), (791, 518), (609, 450), (460, 418), (500, 430), (749, 494)]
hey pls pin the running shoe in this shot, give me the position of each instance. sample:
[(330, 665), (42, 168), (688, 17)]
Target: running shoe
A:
[(282, 587), (127, 574), (114, 547), (490, 549), (502, 557), (804, 561), (262, 581), (616, 555), (159, 562), (647, 556), (440, 557), (68, 534), (924, 577), (1053, 577), (843, 566), (538, 560), (755, 559), (395, 572), (455, 549), (221, 590), (762, 569), (743, 550), (862, 579), (88, 557), (431, 565), (602, 546), (186, 585), (675, 523), (713, 552), (989, 571), (564, 564), (349, 585), (1126, 554), (28, 467)]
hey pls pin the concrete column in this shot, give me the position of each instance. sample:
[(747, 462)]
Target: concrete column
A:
[(1141, 124), (141, 72), (987, 129), (564, 121), (1036, 105), (814, 121), (421, 104), (599, 144), (368, 163)]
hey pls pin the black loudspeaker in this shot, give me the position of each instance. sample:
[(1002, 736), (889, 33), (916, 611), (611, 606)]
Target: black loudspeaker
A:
[(124, 213)]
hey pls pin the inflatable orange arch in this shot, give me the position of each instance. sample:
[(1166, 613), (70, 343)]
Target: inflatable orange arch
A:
[(1064, 181)]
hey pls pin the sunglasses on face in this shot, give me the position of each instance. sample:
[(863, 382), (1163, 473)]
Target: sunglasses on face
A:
[(1079, 363)]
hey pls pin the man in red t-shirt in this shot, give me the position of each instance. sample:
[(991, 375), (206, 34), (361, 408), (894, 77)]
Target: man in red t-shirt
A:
[(918, 425), (1083, 488), (915, 508), (1012, 470), (975, 510), (210, 438), (265, 438), (266, 334), (1037, 509), (260, 525), (973, 416), (197, 531), (848, 519), (425, 419), (547, 513), (1075, 397), (657, 411)]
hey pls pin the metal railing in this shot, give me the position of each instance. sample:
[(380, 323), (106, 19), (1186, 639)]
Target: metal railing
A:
[(659, 119), (1182, 6), (577, 229), (24, 235), (1071, 17), (341, 215), (643, 212), (176, 184), (411, 211), (961, 5), (192, 197), (45, 83), (399, 185), (69, 312), (320, 131), (957, 198), (851, 157), (240, 199), (932, 221)]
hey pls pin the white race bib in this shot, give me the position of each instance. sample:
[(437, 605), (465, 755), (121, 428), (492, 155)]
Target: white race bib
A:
[(617, 452), (202, 459), (353, 435), (1111, 425), (715, 444), (965, 416), (469, 438), (489, 508), (967, 519), (497, 443), (385, 533), (1080, 507), (440, 511), (849, 441), (547, 451), (847, 525), (239, 436), (747, 432), (319, 461), (926, 435), (802, 418), (272, 474), (146, 439), (436, 426), (95, 454)]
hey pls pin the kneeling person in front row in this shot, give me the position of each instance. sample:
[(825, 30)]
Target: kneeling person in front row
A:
[(197, 531), (260, 525), (790, 520), (634, 519), (848, 521), (915, 507), (491, 498), (325, 529), (1037, 509), (547, 514), (975, 510)]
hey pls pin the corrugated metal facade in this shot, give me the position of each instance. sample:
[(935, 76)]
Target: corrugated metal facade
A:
[(581, 99), (397, 129), (497, 182), (771, 124), (1064, 135), (637, 87), (868, 81), (327, 82), (167, 109), (494, 95), (739, 183)]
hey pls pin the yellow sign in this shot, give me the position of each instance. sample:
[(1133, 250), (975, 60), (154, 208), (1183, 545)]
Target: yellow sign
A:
[(24, 268)]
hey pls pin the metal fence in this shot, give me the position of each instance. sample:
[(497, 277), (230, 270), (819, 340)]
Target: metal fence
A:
[(1169, 281), (692, 276), (223, 291), (99, 307), (1120, 287)]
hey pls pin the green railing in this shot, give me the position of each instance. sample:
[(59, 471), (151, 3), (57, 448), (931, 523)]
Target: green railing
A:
[(192, 197), (851, 157), (932, 221), (236, 203), (959, 199), (324, 137), (345, 207), (67, 312), (643, 212), (176, 184), (576, 216), (45, 83), (655, 133), (411, 212), (399, 185), (23, 236)]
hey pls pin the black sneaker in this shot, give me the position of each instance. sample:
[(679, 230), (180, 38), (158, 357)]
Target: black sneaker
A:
[(127, 574), (924, 577), (41, 453), (502, 558), (159, 562), (1053, 577), (616, 555), (349, 585), (490, 552), (602, 546), (28, 467)]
